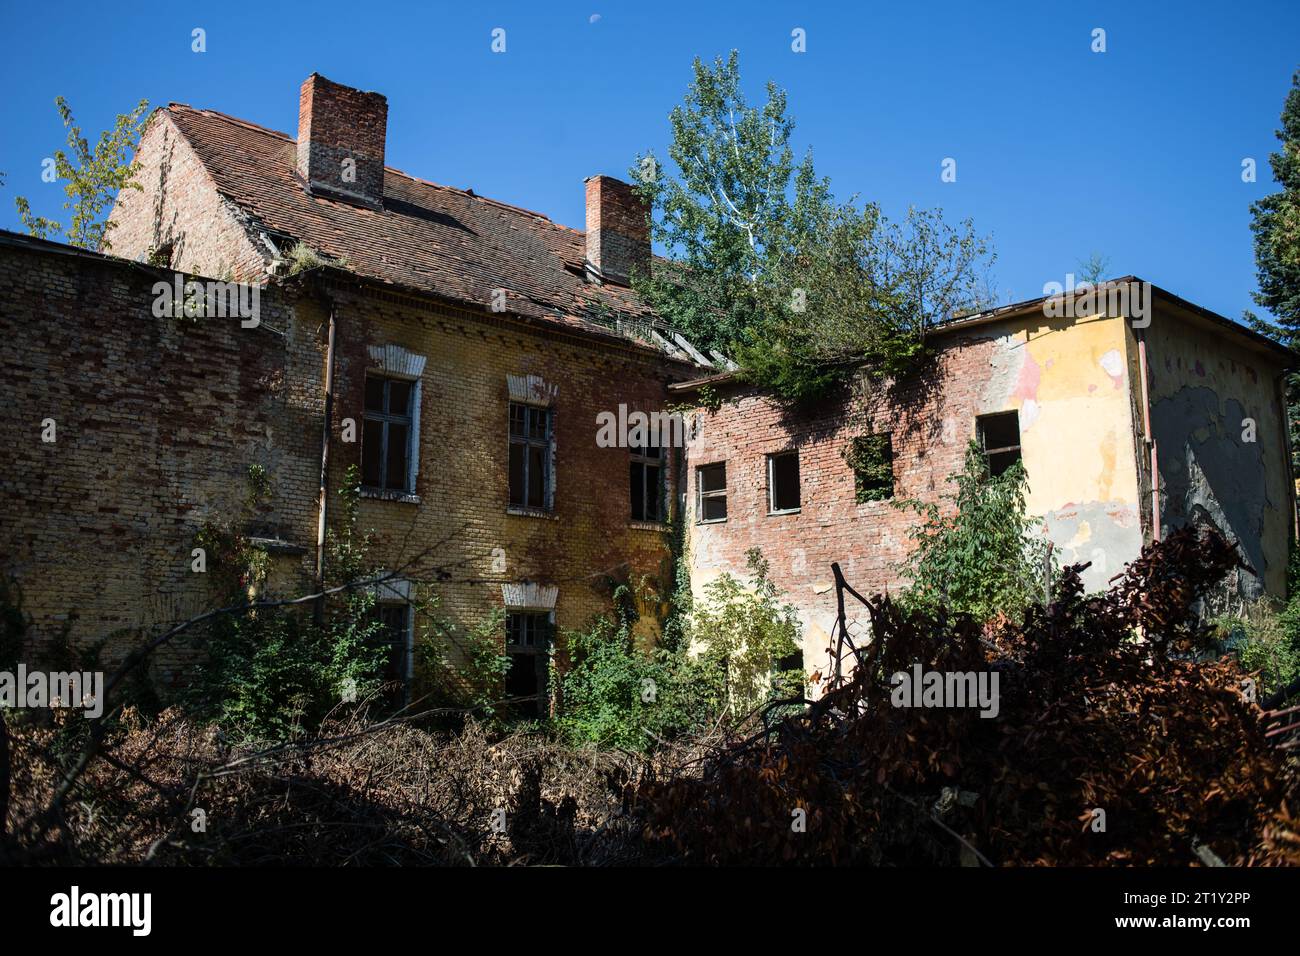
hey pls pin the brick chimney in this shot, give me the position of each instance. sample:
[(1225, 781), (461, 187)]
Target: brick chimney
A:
[(341, 133), (618, 230)]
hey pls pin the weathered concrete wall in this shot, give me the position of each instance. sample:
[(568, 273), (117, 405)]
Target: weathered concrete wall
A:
[(1070, 382), (1220, 433)]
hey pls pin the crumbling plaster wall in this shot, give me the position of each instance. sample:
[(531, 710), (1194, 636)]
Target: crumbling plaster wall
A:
[(1070, 380), (1221, 442)]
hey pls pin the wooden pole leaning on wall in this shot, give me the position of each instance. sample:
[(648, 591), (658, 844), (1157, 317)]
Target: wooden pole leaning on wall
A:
[(841, 623)]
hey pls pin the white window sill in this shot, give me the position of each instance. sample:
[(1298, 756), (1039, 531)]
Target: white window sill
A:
[(378, 494), (789, 511), (712, 521), (529, 512), (648, 525)]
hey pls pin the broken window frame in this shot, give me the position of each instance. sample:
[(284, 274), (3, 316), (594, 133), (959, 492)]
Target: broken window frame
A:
[(527, 441), (718, 493), (530, 633), (385, 418), (981, 430), (865, 486), (772, 509), (643, 459)]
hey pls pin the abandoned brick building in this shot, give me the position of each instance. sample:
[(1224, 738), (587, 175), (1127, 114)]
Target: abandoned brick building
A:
[(1126, 429), (458, 352)]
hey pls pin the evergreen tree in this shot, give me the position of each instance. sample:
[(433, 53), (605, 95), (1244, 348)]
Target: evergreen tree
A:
[(1275, 221), (1276, 225)]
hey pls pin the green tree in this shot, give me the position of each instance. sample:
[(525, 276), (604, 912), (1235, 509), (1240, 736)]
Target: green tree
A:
[(1275, 222), (1093, 269), (982, 554), (92, 178), (766, 265)]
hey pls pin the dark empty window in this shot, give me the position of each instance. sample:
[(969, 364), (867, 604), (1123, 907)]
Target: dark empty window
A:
[(647, 484), (386, 441), (394, 632), (999, 437), (528, 643), (783, 482), (530, 457), (872, 459), (711, 489)]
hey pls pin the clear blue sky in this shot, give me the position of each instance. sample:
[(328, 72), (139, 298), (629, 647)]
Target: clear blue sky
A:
[(1135, 153)]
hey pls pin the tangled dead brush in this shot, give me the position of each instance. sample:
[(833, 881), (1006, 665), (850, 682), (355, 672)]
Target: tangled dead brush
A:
[(1117, 741), (1108, 748), (355, 794)]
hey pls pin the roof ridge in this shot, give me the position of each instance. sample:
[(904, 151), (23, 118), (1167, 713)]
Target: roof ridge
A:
[(236, 120)]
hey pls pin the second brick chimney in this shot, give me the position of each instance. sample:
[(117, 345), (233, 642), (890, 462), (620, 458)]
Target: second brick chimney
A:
[(341, 134), (618, 230)]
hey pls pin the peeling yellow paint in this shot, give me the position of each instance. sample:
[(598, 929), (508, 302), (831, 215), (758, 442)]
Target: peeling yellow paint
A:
[(1074, 406), (1107, 476)]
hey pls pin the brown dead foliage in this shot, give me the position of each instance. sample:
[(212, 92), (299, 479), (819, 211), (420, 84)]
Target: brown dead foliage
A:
[(356, 794), (1091, 718)]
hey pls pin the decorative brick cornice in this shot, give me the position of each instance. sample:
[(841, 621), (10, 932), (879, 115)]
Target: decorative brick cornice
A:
[(591, 340)]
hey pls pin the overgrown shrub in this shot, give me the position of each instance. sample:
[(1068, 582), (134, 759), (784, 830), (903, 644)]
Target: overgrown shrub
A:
[(302, 257), (752, 636), (871, 459), (616, 694), (976, 551), (1090, 719), (268, 673), (737, 650), (464, 668), (1261, 640)]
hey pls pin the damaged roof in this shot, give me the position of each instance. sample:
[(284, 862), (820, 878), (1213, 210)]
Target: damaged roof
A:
[(1257, 340), (446, 242)]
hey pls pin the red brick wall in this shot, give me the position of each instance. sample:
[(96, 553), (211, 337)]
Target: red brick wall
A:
[(178, 207), (338, 123), (931, 418), (618, 230), (157, 421)]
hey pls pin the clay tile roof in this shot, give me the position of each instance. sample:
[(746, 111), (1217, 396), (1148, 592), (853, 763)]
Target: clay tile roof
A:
[(447, 242)]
